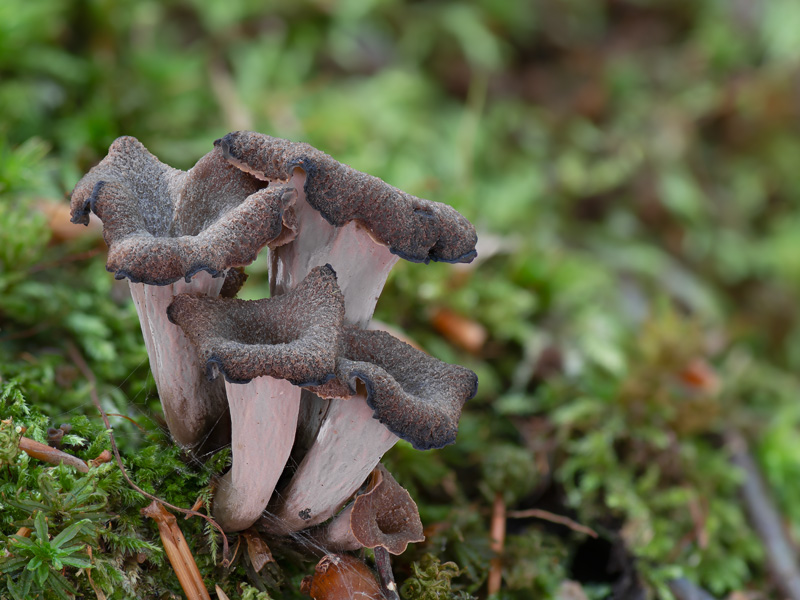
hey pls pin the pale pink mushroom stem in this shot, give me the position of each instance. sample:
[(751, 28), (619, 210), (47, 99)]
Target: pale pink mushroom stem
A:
[(349, 445), (192, 405), (349, 442), (263, 420)]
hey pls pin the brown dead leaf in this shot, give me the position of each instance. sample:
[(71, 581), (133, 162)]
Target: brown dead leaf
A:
[(257, 549)]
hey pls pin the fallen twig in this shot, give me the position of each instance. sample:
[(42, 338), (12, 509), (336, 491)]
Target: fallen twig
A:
[(384, 564), (51, 455), (683, 589), (498, 538), (76, 357), (764, 516), (553, 518), (178, 552)]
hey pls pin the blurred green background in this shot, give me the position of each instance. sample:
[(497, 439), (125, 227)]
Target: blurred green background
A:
[(632, 169)]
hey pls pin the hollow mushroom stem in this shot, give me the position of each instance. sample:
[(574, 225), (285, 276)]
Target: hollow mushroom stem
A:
[(359, 225), (263, 420), (266, 350), (193, 406), (361, 264), (349, 445)]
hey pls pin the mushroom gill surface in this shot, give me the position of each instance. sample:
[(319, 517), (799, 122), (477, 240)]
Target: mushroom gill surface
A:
[(415, 229), (162, 224), (295, 336)]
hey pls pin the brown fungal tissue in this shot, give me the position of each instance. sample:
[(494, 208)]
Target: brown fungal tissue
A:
[(170, 231), (359, 225), (384, 515), (264, 349), (291, 364), (342, 577)]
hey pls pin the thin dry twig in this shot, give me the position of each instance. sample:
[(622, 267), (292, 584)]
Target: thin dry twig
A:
[(178, 552), (128, 418), (683, 589), (76, 357), (498, 538), (50, 455), (383, 563), (553, 518), (764, 516)]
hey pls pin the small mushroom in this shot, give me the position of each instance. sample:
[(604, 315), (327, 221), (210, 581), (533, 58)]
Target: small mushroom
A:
[(355, 222), (169, 232), (384, 515), (264, 349), (409, 395), (360, 225)]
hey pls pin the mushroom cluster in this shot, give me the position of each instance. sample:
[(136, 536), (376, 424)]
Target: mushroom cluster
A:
[(308, 397)]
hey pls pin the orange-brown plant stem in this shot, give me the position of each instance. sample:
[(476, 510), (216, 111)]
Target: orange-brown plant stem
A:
[(50, 455), (498, 534), (178, 552), (553, 518)]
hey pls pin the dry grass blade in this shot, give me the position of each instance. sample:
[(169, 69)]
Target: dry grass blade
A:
[(220, 594), (498, 538), (178, 552), (553, 518)]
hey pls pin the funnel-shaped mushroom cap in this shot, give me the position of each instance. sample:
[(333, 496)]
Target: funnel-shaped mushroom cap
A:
[(162, 224), (415, 229), (416, 396), (385, 515), (295, 336)]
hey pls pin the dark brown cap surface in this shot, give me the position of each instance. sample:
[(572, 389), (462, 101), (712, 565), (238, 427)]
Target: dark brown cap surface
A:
[(162, 224), (415, 229), (416, 396), (295, 336)]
